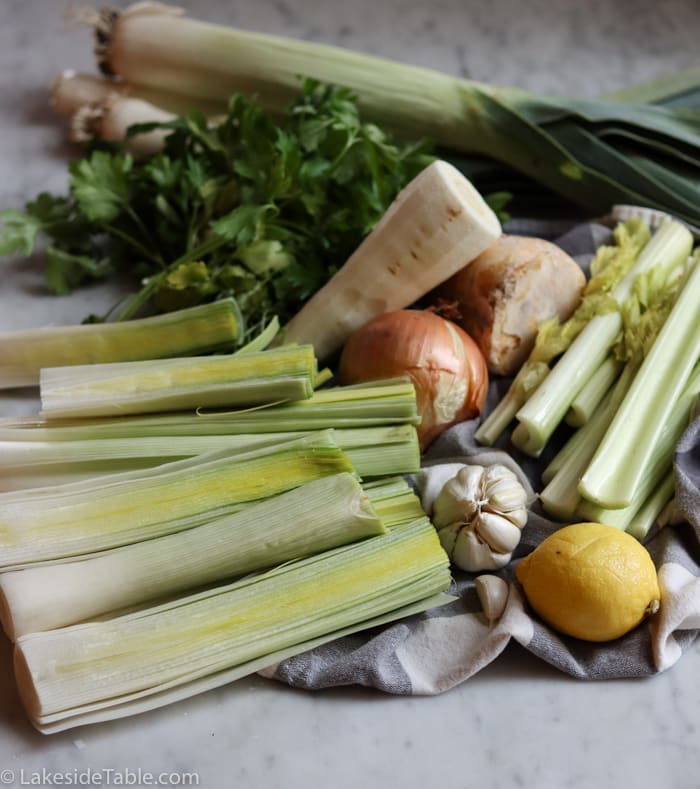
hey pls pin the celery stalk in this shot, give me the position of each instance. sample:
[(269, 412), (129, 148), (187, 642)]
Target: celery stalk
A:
[(540, 416), (592, 393), (658, 464), (618, 466), (649, 513), (561, 497)]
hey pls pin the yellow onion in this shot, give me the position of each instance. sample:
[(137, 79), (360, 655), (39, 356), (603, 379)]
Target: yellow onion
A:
[(446, 366)]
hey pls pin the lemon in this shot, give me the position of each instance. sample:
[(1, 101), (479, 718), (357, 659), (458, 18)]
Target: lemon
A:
[(590, 581)]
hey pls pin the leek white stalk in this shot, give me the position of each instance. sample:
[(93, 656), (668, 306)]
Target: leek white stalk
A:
[(65, 676), (315, 517), (188, 332), (618, 466), (668, 248), (436, 225), (286, 373), (93, 515), (373, 451)]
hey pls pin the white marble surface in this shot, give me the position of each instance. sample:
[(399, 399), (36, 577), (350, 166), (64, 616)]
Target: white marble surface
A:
[(517, 723)]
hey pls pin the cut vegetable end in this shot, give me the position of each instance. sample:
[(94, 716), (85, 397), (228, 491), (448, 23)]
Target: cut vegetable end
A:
[(314, 517), (227, 626)]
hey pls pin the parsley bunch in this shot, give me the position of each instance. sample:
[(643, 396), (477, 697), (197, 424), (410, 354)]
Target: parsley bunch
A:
[(261, 210)]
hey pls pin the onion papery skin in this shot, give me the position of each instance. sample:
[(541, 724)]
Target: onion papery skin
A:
[(446, 366)]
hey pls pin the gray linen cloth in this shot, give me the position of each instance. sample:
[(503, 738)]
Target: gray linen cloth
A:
[(434, 651)]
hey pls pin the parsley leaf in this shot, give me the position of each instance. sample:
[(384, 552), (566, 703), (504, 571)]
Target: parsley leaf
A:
[(259, 208)]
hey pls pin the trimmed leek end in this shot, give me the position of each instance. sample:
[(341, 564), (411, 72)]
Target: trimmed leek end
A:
[(133, 662), (315, 517), (282, 374), (188, 332), (97, 514)]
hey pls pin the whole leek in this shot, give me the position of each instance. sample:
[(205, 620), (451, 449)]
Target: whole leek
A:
[(595, 153)]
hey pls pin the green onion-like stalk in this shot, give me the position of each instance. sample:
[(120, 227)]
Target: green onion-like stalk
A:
[(286, 373), (595, 153), (197, 330)]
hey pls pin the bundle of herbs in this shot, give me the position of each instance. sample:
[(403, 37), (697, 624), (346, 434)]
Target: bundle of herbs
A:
[(257, 208)]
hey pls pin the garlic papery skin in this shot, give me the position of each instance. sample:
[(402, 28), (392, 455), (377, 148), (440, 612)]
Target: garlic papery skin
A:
[(479, 514)]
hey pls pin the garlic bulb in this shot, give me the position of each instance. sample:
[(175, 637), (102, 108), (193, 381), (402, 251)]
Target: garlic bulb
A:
[(479, 515)]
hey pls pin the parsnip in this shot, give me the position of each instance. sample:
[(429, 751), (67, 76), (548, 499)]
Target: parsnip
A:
[(437, 224)]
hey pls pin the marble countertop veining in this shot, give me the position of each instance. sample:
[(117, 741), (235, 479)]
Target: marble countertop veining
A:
[(519, 722)]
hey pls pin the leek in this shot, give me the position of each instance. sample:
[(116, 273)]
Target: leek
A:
[(618, 465), (668, 248), (110, 668), (595, 153), (315, 517), (372, 451), (286, 373), (363, 405), (188, 332), (97, 514)]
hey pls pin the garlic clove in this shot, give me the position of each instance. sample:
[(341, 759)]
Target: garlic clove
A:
[(458, 501), (493, 596), (448, 537), (518, 517), (472, 554), (503, 490), (498, 532)]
